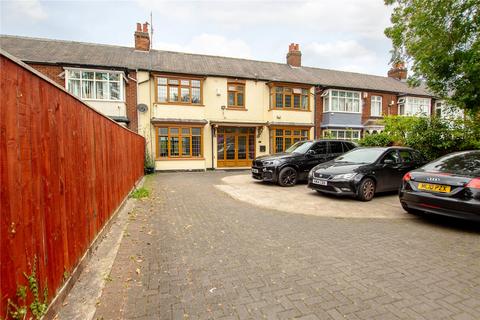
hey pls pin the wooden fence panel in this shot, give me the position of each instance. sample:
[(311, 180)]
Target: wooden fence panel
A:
[(64, 171)]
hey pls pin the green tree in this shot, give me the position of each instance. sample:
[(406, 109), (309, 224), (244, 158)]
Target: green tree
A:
[(441, 41)]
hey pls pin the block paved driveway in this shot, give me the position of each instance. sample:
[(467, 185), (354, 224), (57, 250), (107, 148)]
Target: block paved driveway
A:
[(192, 252)]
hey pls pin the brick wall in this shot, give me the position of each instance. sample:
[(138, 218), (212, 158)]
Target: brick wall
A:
[(131, 101), (51, 71), (386, 100)]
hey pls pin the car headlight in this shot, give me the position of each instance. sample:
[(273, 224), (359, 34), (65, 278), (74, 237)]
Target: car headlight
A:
[(310, 174), (344, 176), (271, 163)]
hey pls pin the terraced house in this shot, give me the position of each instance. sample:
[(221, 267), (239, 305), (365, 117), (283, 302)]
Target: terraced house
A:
[(202, 112)]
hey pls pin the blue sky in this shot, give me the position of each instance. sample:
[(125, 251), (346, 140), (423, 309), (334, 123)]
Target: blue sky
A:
[(334, 34)]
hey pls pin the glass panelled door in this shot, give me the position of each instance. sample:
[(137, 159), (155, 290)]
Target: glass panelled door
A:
[(235, 146)]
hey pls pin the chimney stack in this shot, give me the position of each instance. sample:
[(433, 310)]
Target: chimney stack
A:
[(142, 38), (398, 71), (294, 56)]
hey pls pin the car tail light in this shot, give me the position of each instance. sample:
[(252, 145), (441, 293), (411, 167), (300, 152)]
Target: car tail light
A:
[(407, 177), (474, 183)]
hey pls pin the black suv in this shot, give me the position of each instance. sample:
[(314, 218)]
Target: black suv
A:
[(293, 165)]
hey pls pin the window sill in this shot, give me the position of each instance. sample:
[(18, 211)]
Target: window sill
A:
[(175, 159), (359, 112), (180, 104), (101, 100), (237, 108), (288, 109)]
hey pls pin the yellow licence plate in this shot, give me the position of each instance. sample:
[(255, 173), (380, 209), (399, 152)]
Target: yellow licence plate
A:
[(433, 187)]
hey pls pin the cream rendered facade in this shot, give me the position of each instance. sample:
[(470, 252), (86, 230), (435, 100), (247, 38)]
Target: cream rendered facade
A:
[(214, 113)]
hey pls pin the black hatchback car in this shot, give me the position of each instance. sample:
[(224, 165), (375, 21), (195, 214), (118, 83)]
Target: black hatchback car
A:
[(363, 172), (293, 165), (448, 186)]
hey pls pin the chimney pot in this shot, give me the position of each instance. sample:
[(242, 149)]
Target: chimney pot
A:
[(142, 38), (294, 56), (398, 71)]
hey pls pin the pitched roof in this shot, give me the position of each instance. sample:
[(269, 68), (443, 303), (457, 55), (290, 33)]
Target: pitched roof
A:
[(100, 55)]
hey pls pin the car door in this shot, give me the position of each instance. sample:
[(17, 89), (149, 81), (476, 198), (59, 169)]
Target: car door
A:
[(409, 160), (336, 149), (388, 172), (316, 154)]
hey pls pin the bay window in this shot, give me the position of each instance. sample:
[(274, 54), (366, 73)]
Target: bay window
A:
[(342, 134), (376, 106), (95, 85), (341, 101), (177, 90), (290, 98), (411, 106), (282, 138), (179, 142)]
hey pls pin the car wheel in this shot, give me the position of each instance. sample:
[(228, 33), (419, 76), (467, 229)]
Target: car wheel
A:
[(287, 177), (366, 190)]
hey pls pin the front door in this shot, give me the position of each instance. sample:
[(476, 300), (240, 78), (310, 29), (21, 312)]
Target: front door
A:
[(235, 146)]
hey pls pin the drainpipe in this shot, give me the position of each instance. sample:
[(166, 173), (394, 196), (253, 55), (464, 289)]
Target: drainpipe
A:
[(315, 113), (213, 137)]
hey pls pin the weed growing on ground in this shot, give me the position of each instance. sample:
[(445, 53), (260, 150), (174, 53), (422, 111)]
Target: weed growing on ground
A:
[(140, 193)]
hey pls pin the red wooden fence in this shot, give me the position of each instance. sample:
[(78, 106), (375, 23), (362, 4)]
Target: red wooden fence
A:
[(65, 168)]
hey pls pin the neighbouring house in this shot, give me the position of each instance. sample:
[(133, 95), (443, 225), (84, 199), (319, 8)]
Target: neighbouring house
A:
[(102, 76), (202, 112)]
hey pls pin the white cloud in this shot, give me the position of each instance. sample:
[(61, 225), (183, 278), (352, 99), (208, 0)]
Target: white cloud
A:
[(209, 44), (366, 18), (31, 8), (341, 55)]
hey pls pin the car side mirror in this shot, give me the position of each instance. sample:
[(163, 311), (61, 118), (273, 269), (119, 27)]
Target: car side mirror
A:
[(388, 162), (311, 152)]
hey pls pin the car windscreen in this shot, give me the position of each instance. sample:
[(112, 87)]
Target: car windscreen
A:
[(361, 156), (464, 163), (300, 147)]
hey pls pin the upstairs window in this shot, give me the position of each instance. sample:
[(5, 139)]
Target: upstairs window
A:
[(236, 95), (95, 85), (290, 98), (341, 101), (177, 90), (412, 106), (376, 106)]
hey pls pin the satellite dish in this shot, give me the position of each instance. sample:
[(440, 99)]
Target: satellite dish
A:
[(142, 107)]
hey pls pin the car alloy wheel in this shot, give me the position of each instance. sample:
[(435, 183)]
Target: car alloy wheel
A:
[(366, 190), (288, 177)]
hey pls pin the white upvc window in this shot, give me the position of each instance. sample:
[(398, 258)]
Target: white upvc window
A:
[(342, 101), (91, 84), (341, 134), (376, 106), (442, 110), (412, 106)]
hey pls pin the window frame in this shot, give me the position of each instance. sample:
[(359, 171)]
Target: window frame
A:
[(292, 136), (180, 135), (235, 105), (327, 134), (179, 79), (374, 99), (409, 103), (328, 97), (121, 82), (292, 95)]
